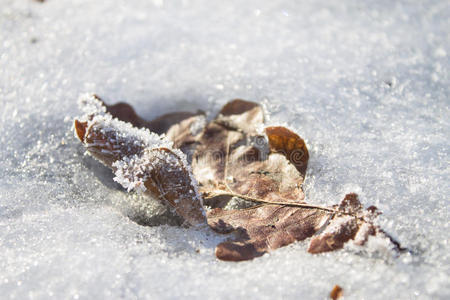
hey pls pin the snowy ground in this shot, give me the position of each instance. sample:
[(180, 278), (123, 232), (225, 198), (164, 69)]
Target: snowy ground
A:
[(365, 82)]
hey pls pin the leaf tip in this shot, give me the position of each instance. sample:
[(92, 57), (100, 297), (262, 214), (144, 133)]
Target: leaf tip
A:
[(237, 107), (231, 251), (336, 292), (80, 129), (290, 144)]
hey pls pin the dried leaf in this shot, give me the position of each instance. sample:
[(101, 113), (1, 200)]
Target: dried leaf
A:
[(263, 228), (336, 292), (141, 161), (350, 222), (162, 124), (293, 147), (339, 231), (232, 157), (180, 127)]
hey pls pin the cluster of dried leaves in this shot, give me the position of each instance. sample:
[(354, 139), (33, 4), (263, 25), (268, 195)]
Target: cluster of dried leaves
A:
[(232, 158)]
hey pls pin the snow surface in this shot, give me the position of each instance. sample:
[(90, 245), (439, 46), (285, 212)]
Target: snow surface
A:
[(365, 82)]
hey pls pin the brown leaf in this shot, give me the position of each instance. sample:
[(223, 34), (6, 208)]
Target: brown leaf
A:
[(233, 157), (336, 292), (241, 115), (342, 227), (340, 230), (263, 228), (350, 222), (179, 127), (293, 147), (143, 161), (162, 124)]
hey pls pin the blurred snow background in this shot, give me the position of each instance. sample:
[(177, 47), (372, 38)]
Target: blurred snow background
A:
[(365, 82)]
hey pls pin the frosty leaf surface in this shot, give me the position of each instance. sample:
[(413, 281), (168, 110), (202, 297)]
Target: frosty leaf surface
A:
[(233, 158), (141, 160)]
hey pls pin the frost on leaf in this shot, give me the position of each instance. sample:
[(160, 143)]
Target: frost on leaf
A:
[(249, 176), (141, 160), (178, 127), (349, 222)]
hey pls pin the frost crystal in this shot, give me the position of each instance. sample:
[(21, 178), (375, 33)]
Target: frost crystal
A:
[(91, 105), (141, 160), (130, 173)]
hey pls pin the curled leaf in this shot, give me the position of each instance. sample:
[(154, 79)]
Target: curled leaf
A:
[(293, 147), (142, 161)]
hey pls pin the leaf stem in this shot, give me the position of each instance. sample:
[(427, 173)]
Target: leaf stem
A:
[(230, 192), (253, 199)]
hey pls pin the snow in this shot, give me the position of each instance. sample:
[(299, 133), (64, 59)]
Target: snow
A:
[(364, 82)]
